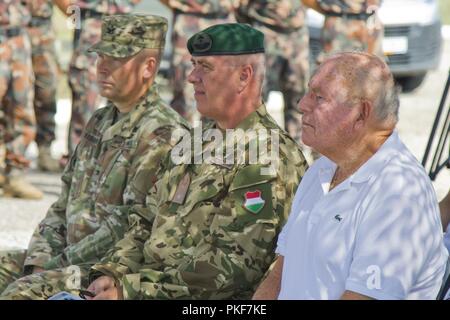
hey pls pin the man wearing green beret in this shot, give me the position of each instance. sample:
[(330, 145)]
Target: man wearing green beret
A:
[(111, 169), (212, 220)]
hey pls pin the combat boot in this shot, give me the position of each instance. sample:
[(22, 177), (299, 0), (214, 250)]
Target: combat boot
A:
[(18, 187), (46, 162)]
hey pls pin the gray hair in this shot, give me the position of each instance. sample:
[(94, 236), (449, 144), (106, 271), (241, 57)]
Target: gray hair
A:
[(257, 61), (387, 103), (368, 77)]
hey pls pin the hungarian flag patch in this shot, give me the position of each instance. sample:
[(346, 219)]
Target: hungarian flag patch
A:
[(253, 201)]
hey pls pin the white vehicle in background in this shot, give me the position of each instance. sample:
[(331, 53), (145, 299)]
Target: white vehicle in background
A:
[(412, 38)]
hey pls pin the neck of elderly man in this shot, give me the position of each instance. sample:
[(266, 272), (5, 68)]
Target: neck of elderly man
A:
[(353, 87), (124, 81), (236, 83)]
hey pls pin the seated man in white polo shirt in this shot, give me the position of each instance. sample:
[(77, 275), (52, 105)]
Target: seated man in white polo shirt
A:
[(365, 219)]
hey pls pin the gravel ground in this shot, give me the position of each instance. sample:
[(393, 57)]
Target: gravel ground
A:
[(417, 112)]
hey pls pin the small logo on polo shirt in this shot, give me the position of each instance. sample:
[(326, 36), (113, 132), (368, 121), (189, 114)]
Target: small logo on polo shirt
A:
[(338, 217)]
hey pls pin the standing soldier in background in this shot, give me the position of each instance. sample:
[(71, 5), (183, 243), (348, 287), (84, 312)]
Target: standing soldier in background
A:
[(350, 25), (287, 51), (45, 69), (16, 98), (82, 70), (189, 17)]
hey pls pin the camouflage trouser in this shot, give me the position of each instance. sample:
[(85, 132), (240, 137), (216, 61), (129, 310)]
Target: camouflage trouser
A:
[(45, 67), (287, 61), (15, 286), (342, 34), (83, 79), (184, 27), (11, 267), (16, 97)]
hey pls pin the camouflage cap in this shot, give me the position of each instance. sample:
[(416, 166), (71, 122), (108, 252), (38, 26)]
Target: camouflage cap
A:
[(226, 39), (127, 34)]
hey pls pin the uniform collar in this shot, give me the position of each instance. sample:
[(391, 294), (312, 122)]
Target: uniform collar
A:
[(250, 122), (124, 127), (253, 118)]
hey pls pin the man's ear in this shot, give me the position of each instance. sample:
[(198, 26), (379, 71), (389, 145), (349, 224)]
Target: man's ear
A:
[(365, 112), (245, 75), (150, 68)]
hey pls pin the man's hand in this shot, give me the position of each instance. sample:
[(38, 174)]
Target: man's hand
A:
[(105, 289), (269, 289)]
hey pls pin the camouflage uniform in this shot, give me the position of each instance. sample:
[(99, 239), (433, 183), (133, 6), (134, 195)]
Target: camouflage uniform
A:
[(189, 17), (287, 51), (111, 170), (199, 239), (82, 70), (341, 34), (45, 69), (17, 121)]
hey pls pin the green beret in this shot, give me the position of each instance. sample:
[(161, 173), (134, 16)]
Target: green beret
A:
[(226, 39), (124, 35)]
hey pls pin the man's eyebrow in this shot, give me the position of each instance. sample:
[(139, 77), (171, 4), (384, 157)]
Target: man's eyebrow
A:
[(203, 63)]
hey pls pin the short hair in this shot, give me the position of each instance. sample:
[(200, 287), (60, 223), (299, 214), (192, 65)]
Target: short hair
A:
[(156, 53), (256, 60), (368, 77)]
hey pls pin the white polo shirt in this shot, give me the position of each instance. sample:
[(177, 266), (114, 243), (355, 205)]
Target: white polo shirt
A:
[(378, 233)]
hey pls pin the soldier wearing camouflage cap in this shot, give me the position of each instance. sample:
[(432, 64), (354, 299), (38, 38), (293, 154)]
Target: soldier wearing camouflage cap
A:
[(112, 168), (210, 226), (87, 15)]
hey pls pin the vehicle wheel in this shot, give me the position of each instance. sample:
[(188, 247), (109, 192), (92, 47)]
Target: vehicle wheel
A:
[(410, 83)]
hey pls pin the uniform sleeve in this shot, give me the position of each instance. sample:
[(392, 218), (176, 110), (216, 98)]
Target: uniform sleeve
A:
[(153, 147), (236, 247), (127, 254), (49, 238)]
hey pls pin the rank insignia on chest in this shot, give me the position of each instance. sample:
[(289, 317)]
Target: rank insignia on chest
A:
[(182, 189), (253, 201)]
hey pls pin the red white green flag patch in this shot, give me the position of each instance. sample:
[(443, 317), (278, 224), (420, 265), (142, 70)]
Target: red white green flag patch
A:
[(253, 201)]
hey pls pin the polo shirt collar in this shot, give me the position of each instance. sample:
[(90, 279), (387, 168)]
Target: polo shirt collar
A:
[(375, 164)]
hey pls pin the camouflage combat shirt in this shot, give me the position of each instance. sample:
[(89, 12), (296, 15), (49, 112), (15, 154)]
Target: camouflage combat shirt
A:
[(111, 171)]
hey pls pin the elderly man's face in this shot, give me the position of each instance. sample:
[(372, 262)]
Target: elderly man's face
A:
[(214, 84), (328, 118), (119, 78)]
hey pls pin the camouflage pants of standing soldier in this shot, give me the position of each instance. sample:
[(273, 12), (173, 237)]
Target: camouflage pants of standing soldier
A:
[(185, 26), (343, 34), (38, 286), (287, 70), (45, 69), (16, 98), (83, 79)]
